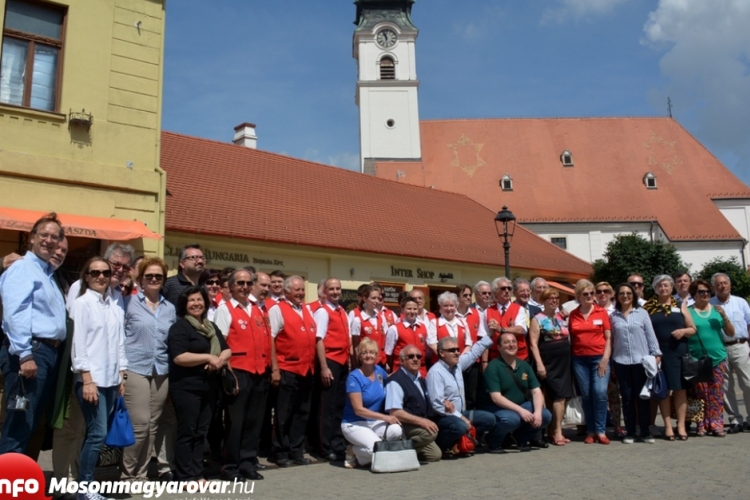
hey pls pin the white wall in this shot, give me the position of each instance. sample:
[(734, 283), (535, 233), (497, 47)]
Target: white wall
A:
[(737, 213)]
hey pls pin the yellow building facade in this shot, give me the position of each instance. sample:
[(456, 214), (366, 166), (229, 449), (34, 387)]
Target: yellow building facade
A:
[(80, 117)]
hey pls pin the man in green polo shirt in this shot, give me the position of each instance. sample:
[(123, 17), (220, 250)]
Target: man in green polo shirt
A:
[(517, 400)]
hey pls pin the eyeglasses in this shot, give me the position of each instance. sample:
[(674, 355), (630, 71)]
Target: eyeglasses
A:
[(369, 353), (414, 356), (212, 282), (587, 294), (194, 257), (603, 290), (625, 294), (49, 236), (505, 288), (703, 292), (452, 350), (243, 283), (153, 277), (635, 284), (95, 273), (554, 299), (117, 265)]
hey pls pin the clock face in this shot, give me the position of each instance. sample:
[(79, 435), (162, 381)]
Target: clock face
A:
[(386, 38)]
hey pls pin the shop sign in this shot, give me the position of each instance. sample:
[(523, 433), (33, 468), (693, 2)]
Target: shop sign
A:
[(392, 293), (419, 273), (210, 254)]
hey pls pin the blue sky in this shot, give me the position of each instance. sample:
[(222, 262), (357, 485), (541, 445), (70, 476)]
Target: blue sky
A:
[(287, 66)]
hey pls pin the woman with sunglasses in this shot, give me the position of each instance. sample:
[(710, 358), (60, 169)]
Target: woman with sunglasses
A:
[(590, 334), (148, 317), (604, 296), (673, 326), (550, 349), (365, 421), (98, 359), (210, 280), (633, 339), (709, 322)]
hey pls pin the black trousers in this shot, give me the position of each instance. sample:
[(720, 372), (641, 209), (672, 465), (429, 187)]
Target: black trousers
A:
[(324, 429), (244, 422), (194, 410), (292, 414), (471, 384), (216, 430)]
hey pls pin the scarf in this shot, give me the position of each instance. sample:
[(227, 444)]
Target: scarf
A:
[(206, 330), (653, 306)]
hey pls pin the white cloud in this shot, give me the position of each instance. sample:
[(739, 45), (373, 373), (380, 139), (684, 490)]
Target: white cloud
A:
[(579, 9), (479, 27), (707, 68)]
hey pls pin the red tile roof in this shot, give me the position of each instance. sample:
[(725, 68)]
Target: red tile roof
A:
[(226, 190), (611, 156)]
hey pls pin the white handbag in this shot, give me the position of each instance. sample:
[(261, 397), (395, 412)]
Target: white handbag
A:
[(394, 456)]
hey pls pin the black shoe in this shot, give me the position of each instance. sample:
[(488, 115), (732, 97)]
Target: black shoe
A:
[(331, 457), (509, 442), (496, 451), (524, 447), (284, 462), (301, 461), (734, 428), (539, 443), (257, 465), (166, 476), (746, 426), (252, 475), (232, 477)]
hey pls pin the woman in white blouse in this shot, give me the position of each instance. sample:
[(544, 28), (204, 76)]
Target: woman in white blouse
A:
[(98, 358)]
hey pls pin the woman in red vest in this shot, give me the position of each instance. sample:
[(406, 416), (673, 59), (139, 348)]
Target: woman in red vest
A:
[(409, 331), (367, 322)]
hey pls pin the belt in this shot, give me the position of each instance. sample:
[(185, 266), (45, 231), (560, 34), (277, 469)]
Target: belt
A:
[(50, 342), (733, 342)]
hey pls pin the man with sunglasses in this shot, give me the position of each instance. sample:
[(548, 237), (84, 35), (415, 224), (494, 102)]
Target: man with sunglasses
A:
[(406, 399), (636, 281), (445, 389), (505, 316), (34, 323), (191, 265), (248, 335)]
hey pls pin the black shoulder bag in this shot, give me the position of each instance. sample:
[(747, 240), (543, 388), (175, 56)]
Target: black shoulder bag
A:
[(697, 370)]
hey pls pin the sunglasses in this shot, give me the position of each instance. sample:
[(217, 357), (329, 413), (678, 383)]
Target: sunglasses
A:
[(625, 294), (485, 293), (602, 291), (153, 277), (703, 292), (95, 273), (466, 295), (243, 283), (452, 350), (414, 356), (212, 282), (587, 294), (505, 288), (635, 284)]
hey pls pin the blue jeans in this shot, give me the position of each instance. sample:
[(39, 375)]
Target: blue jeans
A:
[(96, 417), (593, 392), (451, 428), (509, 421), (40, 391)]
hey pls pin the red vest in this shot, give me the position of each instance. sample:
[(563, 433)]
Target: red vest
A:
[(411, 336), (506, 321), (249, 338), (295, 342), (375, 333), (444, 331), (472, 320), (389, 316), (337, 341), (314, 306)]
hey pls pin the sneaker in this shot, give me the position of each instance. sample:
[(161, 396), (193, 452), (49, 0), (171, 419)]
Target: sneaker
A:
[(628, 440), (350, 461), (649, 439)]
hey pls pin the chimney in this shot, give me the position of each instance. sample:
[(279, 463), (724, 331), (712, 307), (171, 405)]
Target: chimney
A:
[(244, 135)]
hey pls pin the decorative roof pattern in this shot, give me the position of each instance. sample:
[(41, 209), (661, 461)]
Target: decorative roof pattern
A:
[(226, 190)]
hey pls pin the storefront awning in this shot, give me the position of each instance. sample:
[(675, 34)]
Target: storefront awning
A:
[(81, 226), (561, 287)]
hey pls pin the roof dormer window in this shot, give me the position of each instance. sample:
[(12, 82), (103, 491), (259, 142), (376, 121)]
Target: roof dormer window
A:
[(649, 180), (506, 183), (566, 158), (387, 69)]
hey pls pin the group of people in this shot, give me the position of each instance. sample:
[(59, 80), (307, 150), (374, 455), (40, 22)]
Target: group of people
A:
[(238, 358)]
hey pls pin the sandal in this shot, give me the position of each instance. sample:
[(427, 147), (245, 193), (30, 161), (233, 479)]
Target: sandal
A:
[(682, 437), (669, 438)]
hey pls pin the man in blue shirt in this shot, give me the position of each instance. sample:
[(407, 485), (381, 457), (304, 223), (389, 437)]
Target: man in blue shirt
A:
[(34, 325), (738, 351)]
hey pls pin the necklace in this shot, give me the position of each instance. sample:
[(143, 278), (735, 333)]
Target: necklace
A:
[(705, 314)]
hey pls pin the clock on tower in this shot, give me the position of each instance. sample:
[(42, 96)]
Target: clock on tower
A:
[(384, 47)]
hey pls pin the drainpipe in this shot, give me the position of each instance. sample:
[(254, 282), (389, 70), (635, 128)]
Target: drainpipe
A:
[(742, 253), (651, 231)]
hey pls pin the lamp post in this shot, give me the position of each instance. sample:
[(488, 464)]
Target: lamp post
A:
[(505, 222)]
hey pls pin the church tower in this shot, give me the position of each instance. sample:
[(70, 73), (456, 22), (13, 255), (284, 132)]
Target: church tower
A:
[(384, 47)]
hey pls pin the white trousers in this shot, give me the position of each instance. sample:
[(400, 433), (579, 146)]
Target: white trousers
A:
[(738, 361), (364, 434)]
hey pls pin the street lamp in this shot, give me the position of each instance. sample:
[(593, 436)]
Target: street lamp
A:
[(505, 222)]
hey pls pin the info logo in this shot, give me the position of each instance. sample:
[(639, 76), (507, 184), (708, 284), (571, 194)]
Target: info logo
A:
[(21, 478)]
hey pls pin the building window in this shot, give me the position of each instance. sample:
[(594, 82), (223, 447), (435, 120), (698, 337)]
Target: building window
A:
[(650, 180), (567, 158), (506, 183), (560, 242), (387, 69), (30, 60)]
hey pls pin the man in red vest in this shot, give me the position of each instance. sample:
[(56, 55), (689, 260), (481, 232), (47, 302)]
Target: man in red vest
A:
[(333, 354), (505, 316), (246, 329), (292, 368)]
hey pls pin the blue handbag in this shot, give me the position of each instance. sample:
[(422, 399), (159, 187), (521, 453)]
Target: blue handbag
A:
[(120, 433), (660, 390)]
